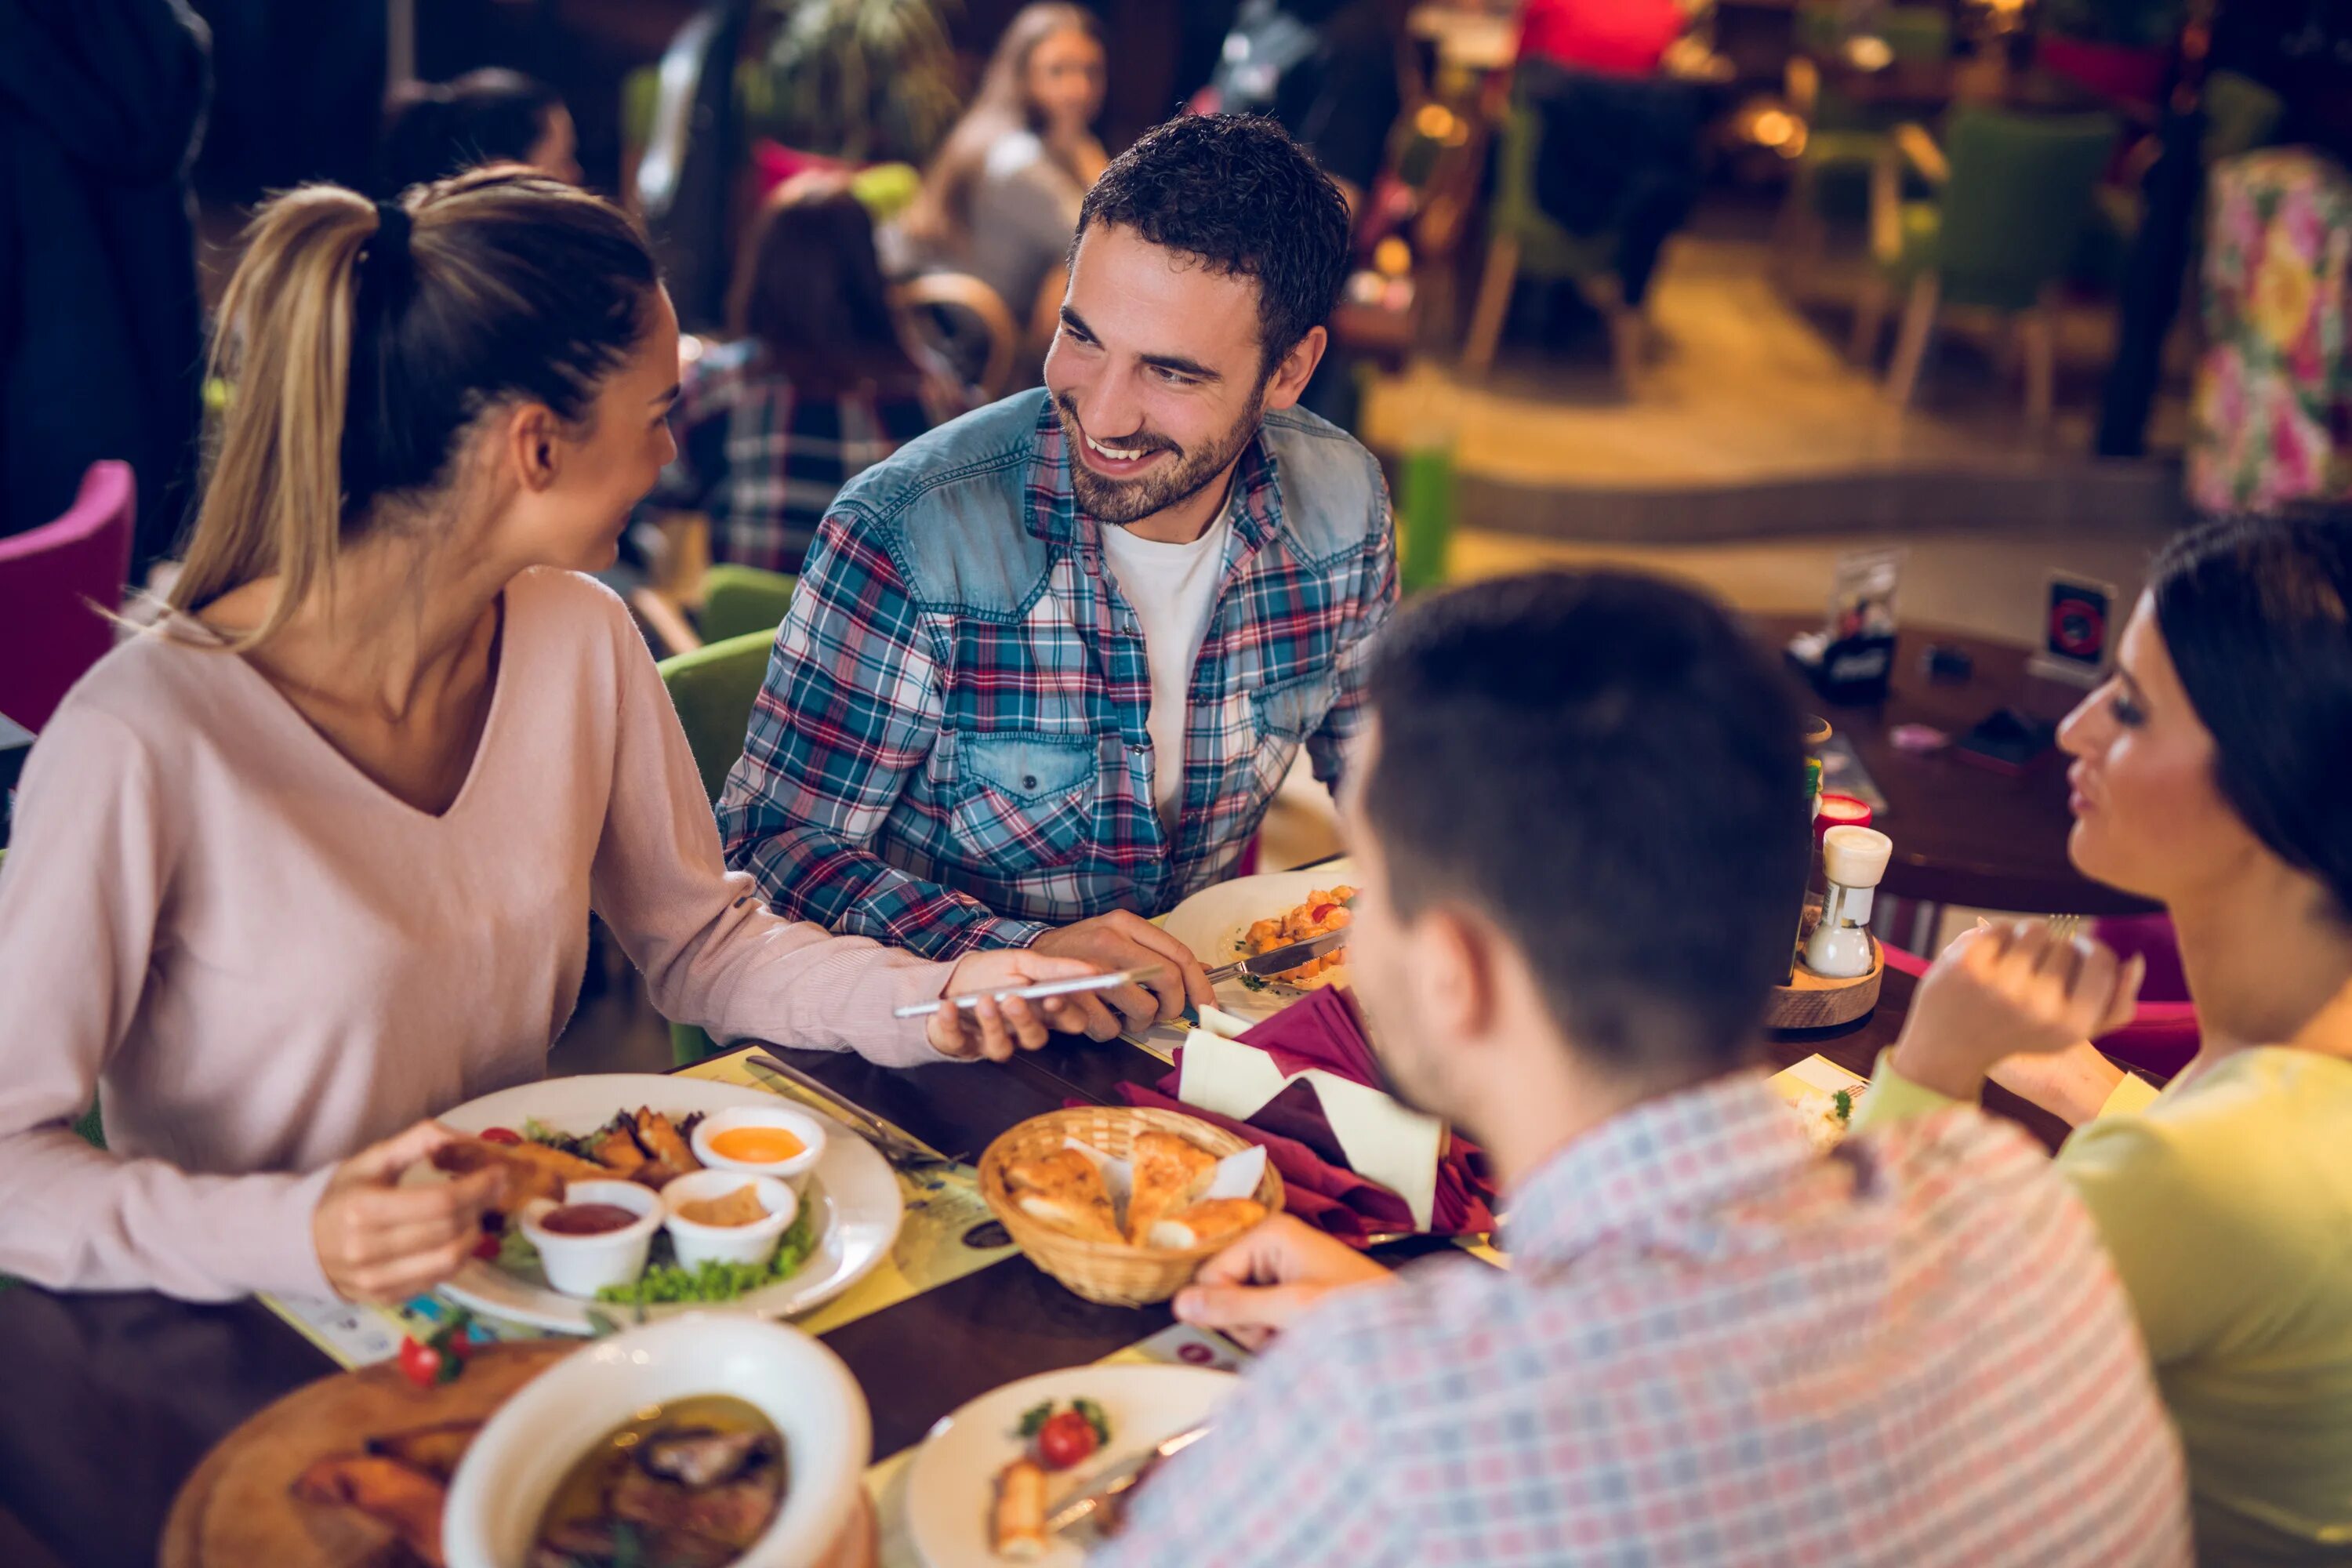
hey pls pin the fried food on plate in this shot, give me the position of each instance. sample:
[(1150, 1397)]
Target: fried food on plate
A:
[(1064, 1189), (433, 1449), (1169, 1172), (1018, 1526), (666, 1153), (406, 1501)]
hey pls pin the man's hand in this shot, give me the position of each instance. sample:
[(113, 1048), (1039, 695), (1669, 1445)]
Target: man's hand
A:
[(379, 1241), (1122, 940), (1270, 1277), (992, 1028), (2009, 988)]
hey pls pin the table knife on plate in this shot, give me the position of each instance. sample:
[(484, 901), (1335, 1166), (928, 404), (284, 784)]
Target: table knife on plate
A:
[(1265, 965), (1120, 1478)]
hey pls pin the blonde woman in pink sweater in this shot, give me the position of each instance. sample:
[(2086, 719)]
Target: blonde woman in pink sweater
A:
[(314, 860)]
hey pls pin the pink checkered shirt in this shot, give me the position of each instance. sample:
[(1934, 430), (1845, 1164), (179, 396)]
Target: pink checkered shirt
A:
[(1713, 1346)]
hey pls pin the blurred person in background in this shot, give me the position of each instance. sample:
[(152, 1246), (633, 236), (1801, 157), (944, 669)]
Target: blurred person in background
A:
[(818, 385), (999, 200), (433, 129), (101, 332), (1619, 154), (1327, 69)]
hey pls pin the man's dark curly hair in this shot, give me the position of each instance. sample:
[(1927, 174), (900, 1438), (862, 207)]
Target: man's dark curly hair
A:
[(1236, 192)]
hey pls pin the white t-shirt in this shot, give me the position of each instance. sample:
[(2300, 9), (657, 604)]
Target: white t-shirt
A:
[(1173, 590)]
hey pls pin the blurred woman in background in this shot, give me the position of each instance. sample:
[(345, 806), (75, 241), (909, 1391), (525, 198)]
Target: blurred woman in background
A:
[(2210, 774), (312, 860), (818, 385), (433, 129), (999, 200)]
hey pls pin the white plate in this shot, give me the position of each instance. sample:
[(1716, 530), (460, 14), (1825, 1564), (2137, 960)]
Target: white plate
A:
[(1213, 919), (952, 1485), (852, 1190)]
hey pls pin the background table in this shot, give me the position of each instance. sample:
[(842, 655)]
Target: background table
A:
[(112, 1399), (1963, 834)]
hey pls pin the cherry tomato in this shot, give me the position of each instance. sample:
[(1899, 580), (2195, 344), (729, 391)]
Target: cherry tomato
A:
[(457, 1341), (1064, 1440), (486, 1248), (501, 1135), (421, 1362)]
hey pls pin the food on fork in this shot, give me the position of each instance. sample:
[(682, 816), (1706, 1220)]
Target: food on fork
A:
[(1169, 1172), (1205, 1224), (532, 1169), (1325, 911), (1066, 1190)]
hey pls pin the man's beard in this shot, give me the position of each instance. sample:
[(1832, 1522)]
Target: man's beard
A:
[(1123, 502)]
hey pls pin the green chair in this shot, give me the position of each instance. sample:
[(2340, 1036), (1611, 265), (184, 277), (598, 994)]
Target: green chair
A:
[(1523, 240), (740, 600), (713, 688), (1843, 136), (2013, 196)]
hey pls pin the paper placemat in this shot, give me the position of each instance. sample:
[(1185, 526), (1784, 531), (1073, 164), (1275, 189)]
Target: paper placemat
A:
[(948, 1233), (886, 1481)]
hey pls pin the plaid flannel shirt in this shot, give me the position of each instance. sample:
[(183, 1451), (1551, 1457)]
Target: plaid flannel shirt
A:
[(950, 749), (1712, 1346), (763, 460)]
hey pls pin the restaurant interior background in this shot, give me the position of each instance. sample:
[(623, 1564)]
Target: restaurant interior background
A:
[(1824, 279)]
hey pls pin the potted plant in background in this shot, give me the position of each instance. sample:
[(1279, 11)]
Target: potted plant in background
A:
[(859, 81)]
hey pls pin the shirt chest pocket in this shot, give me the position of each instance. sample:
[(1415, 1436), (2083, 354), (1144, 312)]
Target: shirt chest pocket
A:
[(1265, 728), (1022, 802)]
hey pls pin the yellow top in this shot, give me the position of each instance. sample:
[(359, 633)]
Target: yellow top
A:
[(2227, 1206)]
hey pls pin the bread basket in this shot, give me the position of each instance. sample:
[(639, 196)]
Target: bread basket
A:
[(1117, 1276)]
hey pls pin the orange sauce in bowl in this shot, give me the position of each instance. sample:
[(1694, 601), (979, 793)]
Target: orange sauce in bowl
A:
[(756, 1145)]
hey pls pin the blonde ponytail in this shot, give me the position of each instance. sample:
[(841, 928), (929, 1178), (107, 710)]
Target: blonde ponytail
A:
[(273, 494), (348, 385)]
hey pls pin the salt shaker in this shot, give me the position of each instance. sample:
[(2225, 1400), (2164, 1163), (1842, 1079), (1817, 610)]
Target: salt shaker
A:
[(1853, 861)]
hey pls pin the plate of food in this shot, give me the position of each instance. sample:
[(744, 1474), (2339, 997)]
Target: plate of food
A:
[(350, 1472), (985, 1480), (709, 1443), (1251, 915), (645, 1195)]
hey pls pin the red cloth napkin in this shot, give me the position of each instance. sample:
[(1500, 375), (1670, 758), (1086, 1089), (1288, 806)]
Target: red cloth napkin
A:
[(1321, 1030)]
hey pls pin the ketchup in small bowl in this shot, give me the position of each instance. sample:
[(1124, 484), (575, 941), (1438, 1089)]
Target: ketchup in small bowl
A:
[(587, 1219)]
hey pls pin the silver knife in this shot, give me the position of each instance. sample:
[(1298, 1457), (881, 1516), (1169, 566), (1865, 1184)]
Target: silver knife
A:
[(897, 1147), (1264, 964), (1120, 1478)]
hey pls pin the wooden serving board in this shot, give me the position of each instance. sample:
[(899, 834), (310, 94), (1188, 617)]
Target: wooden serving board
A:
[(239, 1510)]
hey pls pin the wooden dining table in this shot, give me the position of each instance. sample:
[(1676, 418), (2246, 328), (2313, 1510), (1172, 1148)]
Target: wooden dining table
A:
[(111, 1399)]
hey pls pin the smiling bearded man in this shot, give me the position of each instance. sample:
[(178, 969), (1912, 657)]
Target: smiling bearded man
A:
[(1047, 665)]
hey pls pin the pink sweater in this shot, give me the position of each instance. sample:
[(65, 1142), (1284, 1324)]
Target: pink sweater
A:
[(263, 961)]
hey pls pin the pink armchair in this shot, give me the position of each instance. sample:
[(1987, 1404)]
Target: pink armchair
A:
[(50, 579)]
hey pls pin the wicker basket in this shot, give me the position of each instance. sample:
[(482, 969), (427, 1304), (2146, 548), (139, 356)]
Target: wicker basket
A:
[(1118, 1276)]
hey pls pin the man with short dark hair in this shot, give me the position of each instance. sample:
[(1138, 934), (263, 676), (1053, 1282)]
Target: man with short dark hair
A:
[(1578, 833), (1047, 665)]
